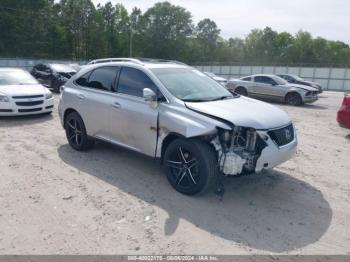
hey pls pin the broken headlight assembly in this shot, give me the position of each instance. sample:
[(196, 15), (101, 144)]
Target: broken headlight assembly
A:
[(238, 150)]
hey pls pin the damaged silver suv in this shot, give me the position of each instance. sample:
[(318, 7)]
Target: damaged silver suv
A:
[(175, 113)]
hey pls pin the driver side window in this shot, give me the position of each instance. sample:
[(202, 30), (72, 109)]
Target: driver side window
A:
[(265, 80)]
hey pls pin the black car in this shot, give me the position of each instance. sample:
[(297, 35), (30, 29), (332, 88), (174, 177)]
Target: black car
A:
[(53, 75), (298, 80)]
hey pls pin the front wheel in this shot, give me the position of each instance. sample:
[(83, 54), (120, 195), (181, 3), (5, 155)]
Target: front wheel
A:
[(76, 132), (293, 99), (191, 166)]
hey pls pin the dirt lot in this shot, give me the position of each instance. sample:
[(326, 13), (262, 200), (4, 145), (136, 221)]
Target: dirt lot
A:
[(113, 201)]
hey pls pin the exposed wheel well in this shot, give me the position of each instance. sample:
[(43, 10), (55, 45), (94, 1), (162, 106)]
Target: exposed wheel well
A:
[(173, 136)]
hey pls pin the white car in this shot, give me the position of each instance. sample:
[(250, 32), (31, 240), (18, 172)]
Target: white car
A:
[(21, 94)]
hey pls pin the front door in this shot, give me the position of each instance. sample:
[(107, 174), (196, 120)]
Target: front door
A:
[(134, 121)]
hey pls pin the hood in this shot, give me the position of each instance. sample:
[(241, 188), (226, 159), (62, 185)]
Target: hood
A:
[(221, 79), (307, 88), (15, 90), (244, 111)]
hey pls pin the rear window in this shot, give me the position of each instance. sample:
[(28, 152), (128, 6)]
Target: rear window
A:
[(247, 79)]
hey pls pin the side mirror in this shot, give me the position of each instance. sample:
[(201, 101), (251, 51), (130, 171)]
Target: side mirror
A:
[(149, 95)]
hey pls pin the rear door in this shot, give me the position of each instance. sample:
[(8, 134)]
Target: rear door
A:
[(133, 120), (95, 96)]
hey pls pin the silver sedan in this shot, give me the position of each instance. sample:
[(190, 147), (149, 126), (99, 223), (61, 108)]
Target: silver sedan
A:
[(273, 87)]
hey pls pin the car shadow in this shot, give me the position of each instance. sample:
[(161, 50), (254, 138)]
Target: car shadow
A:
[(313, 106), (10, 121), (272, 211), (347, 137)]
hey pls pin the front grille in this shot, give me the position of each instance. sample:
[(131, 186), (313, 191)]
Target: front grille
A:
[(282, 136), (48, 107), (5, 110), (31, 103), (25, 97), (29, 110)]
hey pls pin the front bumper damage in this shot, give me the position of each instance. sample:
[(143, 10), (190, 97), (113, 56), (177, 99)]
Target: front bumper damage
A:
[(245, 150)]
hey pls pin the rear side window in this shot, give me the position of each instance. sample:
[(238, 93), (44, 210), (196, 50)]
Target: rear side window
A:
[(101, 78), (247, 79), (132, 82)]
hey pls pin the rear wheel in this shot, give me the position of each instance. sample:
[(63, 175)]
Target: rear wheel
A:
[(242, 91), (76, 132), (293, 99), (191, 166)]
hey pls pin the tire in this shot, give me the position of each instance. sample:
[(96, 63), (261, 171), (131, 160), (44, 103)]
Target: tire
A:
[(55, 87), (76, 132), (293, 99), (191, 166), (242, 91)]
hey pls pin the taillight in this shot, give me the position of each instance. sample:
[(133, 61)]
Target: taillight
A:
[(346, 100)]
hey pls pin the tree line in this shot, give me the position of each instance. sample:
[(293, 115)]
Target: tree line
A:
[(77, 29)]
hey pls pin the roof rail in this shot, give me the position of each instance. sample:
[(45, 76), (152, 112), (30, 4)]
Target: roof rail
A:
[(140, 61), (106, 60), (152, 60)]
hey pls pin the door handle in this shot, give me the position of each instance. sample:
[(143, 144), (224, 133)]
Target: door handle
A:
[(116, 105), (80, 96)]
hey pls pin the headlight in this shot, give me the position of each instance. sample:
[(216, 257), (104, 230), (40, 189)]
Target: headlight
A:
[(4, 99), (48, 96)]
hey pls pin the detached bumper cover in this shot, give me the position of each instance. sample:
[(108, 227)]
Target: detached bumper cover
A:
[(273, 155)]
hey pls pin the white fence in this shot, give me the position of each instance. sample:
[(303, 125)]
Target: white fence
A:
[(330, 78)]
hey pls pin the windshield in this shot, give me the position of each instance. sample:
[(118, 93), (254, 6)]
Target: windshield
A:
[(280, 80), (297, 78), (191, 85), (16, 77), (61, 68)]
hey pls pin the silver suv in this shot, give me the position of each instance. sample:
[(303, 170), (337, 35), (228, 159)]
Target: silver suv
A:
[(175, 113)]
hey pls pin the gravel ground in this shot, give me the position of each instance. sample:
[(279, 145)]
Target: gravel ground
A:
[(109, 200)]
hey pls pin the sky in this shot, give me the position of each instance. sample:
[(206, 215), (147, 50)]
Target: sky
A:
[(329, 19)]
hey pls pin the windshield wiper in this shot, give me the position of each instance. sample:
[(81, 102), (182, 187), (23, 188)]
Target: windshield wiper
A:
[(221, 98), (194, 100)]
